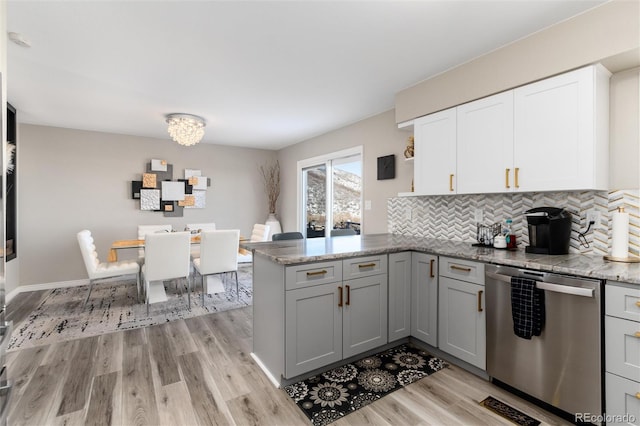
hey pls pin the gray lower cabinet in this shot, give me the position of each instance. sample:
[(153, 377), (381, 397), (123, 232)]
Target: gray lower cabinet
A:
[(400, 282), (461, 318), (326, 322), (313, 328), (424, 298), (364, 316), (622, 353)]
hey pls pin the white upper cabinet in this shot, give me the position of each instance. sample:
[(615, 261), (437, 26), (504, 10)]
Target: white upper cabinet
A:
[(561, 132), (435, 153), (485, 145), (551, 135)]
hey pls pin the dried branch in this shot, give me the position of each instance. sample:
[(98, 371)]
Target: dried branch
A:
[(271, 177)]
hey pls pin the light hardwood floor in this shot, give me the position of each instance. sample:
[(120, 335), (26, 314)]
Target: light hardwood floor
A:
[(199, 372)]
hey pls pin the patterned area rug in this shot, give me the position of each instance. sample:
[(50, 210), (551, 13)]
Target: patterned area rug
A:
[(508, 412), (113, 307), (330, 396)]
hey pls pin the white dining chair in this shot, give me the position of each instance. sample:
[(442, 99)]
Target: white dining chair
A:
[(144, 230), (259, 233), (201, 227), (100, 270), (197, 229), (167, 258), (218, 255)]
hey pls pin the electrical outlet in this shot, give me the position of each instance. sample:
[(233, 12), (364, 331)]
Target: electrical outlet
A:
[(408, 213), (367, 204), (478, 215), (593, 215)]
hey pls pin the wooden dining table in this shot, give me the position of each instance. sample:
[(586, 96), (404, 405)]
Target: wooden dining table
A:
[(136, 244)]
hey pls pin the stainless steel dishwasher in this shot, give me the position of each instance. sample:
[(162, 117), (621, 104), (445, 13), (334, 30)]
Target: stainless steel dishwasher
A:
[(562, 366)]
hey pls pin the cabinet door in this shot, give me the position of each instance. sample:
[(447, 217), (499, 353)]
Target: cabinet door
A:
[(313, 328), (485, 145), (462, 329), (399, 295), (557, 145), (623, 400), (434, 164), (622, 340), (364, 316), (424, 298)]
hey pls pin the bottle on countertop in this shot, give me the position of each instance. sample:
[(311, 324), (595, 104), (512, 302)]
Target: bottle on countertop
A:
[(510, 236)]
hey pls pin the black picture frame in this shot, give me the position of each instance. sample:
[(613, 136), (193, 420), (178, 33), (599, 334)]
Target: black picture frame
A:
[(11, 237), (387, 167)]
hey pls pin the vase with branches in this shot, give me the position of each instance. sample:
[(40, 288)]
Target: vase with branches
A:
[(271, 178)]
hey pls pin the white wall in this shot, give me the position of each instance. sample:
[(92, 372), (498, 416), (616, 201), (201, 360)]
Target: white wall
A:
[(624, 135), (610, 32), (379, 136), (69, 180)]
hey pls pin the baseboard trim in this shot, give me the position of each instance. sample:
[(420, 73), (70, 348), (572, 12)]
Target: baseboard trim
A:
[(50, 286)]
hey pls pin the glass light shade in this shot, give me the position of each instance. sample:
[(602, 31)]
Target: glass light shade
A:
[(186, 129)]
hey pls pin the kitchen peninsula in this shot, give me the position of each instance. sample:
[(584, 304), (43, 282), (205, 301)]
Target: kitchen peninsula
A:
[(338, 288)]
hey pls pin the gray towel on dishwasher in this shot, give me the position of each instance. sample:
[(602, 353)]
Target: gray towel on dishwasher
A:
[(527, 308)]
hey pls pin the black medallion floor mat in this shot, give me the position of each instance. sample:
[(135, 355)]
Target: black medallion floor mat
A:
[(331, 395), (508, 412)]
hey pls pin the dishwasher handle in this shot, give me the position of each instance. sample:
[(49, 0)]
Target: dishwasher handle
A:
[(549, 286)]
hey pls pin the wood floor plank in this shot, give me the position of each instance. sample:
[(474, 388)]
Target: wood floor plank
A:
[(21, 365), (266, 406), (138, 396), (23, 304), (33, 407), (180, 338), (103, 400), (59, 353), (174, 405), (230, 375), (162, 355), (109, 353), (208, 404), (393, 411), (77, 383), (72, 419), (135, 337)]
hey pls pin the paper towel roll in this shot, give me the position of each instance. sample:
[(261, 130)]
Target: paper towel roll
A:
[(620, 234)]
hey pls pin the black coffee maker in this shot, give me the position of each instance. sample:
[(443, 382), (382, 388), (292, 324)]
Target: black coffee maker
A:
[(549, 230)]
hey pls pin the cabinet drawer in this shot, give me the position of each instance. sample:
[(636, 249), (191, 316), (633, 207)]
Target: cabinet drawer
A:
[(623, 347), (623, 400), (463, 270), (364, 266), (299, 276), (622, 302)]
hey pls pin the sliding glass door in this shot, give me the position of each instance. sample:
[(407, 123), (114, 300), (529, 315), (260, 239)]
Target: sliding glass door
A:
[(331, 193)]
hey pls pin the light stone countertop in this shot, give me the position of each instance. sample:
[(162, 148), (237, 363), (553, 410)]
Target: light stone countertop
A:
[(294, 252)]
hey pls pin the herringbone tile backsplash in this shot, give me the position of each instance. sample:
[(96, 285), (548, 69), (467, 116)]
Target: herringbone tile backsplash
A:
[(453, 216)]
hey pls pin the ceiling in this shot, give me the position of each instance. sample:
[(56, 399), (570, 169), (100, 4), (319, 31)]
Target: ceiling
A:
[(263, 74)]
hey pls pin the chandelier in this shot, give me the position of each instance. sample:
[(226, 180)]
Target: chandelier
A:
[(186, 129)]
